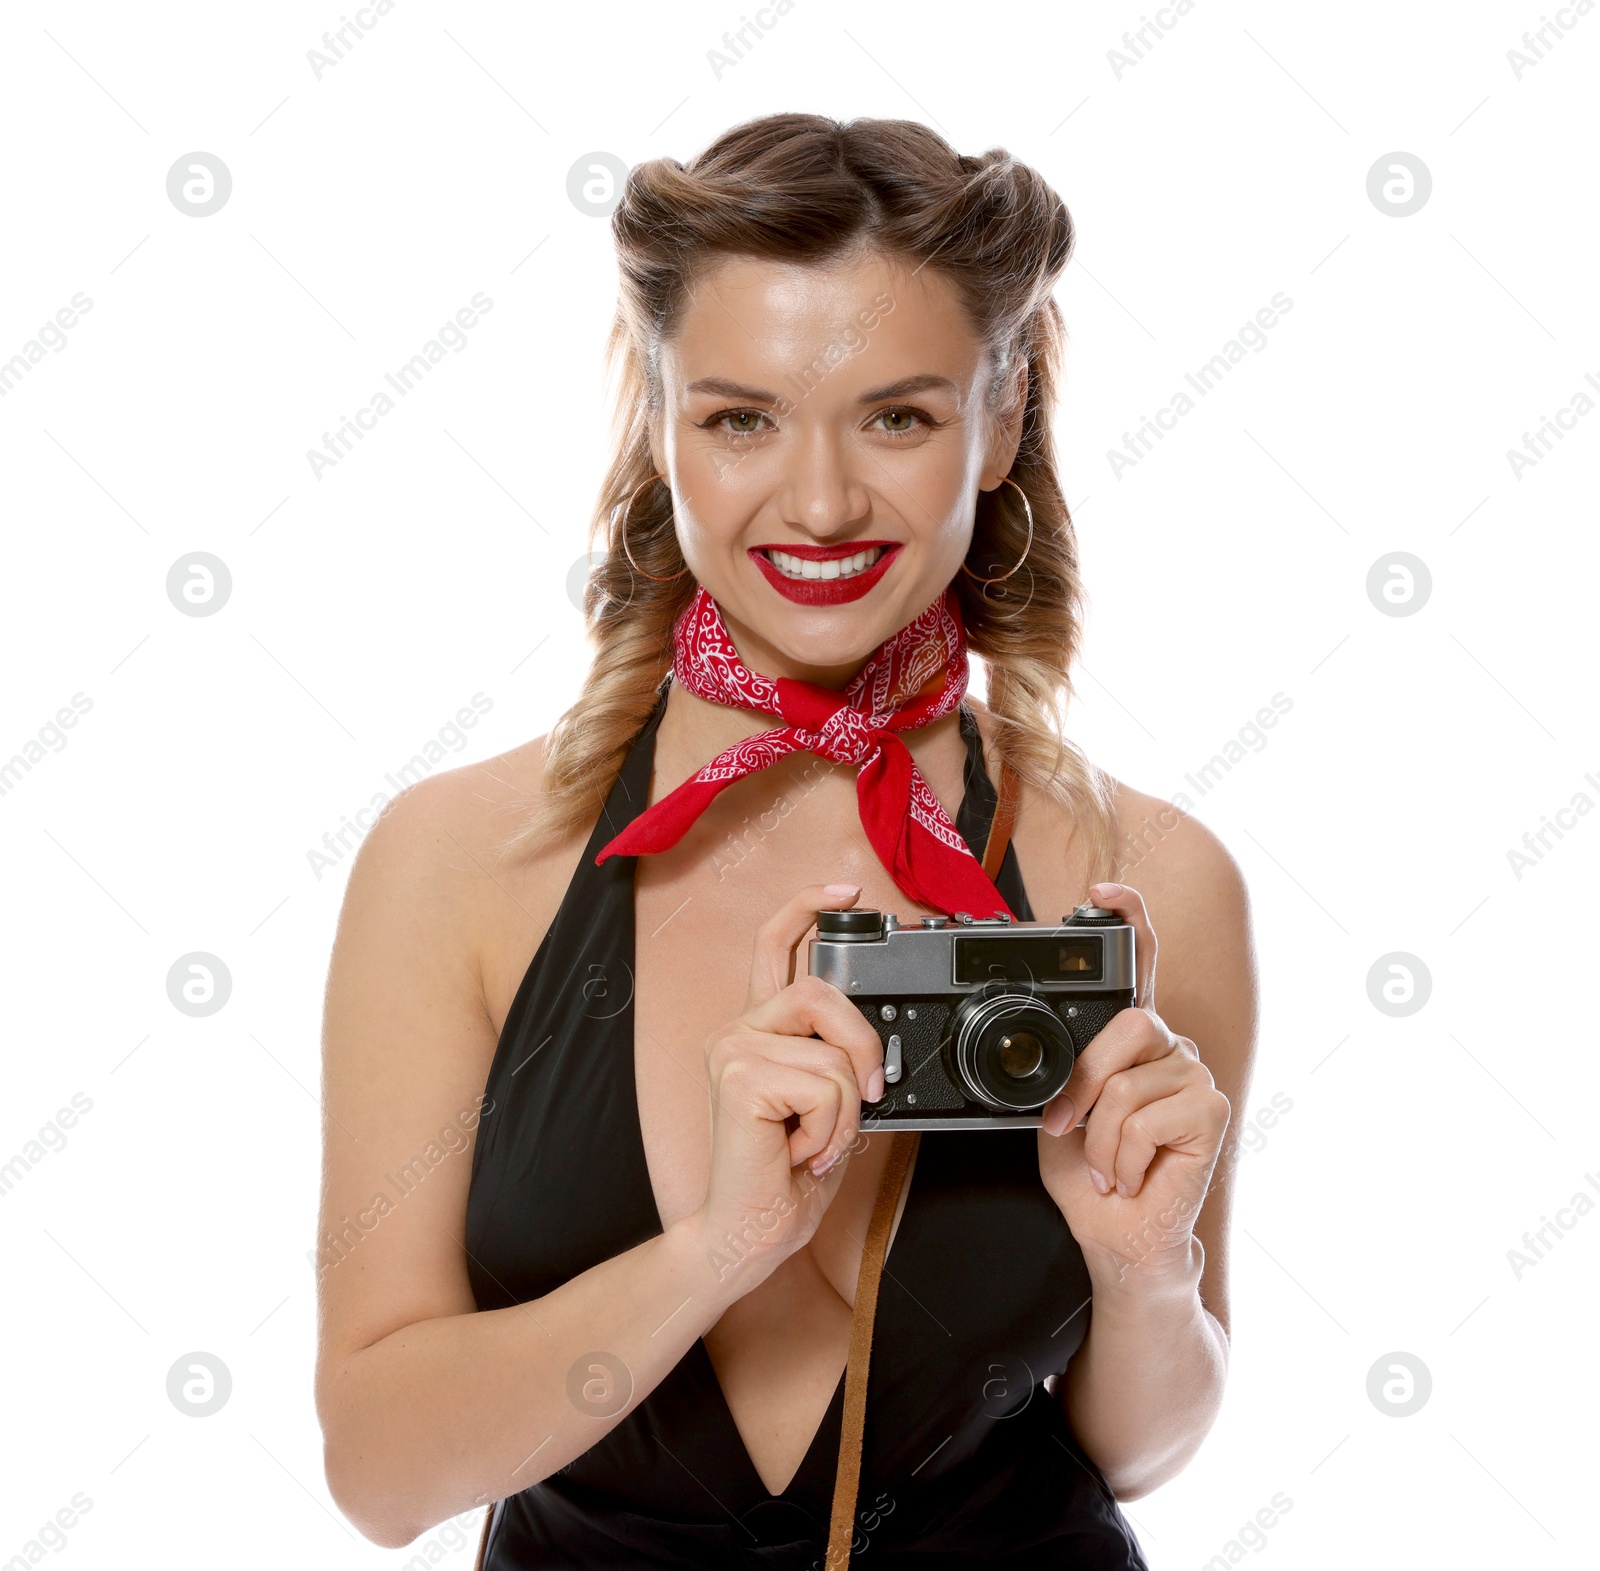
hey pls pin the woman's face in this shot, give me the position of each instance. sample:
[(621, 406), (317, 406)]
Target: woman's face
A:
[(831, 416)]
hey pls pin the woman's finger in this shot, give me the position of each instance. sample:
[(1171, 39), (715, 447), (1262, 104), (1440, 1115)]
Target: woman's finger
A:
[(1131, 1036), (1129, 905), (811, 1007), (1191, 1123), (757, 1076), (1125, 1094), (772, 965), (808, 1055)]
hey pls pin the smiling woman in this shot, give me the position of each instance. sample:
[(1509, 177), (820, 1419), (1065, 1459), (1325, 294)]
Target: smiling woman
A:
[(640, 1325)]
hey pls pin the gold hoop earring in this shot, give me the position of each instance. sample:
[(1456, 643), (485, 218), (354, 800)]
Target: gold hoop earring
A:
[(627, 508), (1025, 550)]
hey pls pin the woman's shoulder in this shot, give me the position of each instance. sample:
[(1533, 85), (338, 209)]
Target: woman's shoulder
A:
[(470, 807), (437, 858), (1195, 894), (1167, 845)]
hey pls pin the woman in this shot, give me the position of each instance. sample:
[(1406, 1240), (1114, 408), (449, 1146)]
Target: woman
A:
[(624, 1318)]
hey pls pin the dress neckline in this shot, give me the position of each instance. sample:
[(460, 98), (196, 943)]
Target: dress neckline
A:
[(812, 1479)]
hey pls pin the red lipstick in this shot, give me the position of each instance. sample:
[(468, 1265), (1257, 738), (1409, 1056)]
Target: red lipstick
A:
[(825, 591)]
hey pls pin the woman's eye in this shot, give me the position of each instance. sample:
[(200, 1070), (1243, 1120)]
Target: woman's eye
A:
[(900, 422), (740, 422)]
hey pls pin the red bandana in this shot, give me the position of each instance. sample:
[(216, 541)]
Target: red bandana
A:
[(911, 679)]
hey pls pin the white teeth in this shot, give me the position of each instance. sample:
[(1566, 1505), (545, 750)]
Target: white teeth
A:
[(839, 567)]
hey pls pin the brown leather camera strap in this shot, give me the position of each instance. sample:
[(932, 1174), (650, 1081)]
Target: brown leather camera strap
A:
[(841, 1528), (1005, 814)]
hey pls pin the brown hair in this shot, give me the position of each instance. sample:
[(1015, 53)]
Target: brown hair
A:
[(808, 189)]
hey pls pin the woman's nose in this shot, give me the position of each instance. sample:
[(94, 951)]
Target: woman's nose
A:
[(824, 492)]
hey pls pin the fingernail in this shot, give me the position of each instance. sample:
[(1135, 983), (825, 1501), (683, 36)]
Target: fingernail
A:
[(1098, 1180), (1065, 1118), (841, 891), (826, 1161), (875, 1085), (1122, 1189), (1108, 889)]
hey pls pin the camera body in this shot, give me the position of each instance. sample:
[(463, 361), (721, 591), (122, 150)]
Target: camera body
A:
[(981, 1018)]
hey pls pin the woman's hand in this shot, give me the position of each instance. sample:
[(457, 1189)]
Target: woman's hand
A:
[(1131, 1181), (787, 1079)]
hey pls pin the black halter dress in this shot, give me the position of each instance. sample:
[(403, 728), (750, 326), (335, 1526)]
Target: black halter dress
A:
[(967, 1460)]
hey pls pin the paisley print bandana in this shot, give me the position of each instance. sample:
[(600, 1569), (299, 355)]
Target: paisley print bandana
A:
[(913, 678)]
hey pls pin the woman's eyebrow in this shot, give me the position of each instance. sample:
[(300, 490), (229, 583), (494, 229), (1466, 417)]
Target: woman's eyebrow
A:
[(721, 387), (920, 383)]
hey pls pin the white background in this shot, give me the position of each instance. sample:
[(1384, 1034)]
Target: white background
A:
[(433, 563)]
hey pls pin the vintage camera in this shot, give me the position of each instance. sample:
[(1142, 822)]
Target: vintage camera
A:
[(982, 1018)]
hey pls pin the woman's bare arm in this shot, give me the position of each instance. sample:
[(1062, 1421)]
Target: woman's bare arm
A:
[(1146, 1386), (429, 1407)]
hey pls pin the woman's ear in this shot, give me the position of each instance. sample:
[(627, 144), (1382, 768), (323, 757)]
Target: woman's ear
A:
[(1007, 428)]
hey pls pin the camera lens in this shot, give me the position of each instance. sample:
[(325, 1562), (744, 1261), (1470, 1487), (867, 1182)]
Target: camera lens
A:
[(1009, 1051), (1019, 1054)]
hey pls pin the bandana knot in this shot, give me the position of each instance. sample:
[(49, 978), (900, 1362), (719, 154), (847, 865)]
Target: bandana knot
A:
[(847, 737)]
